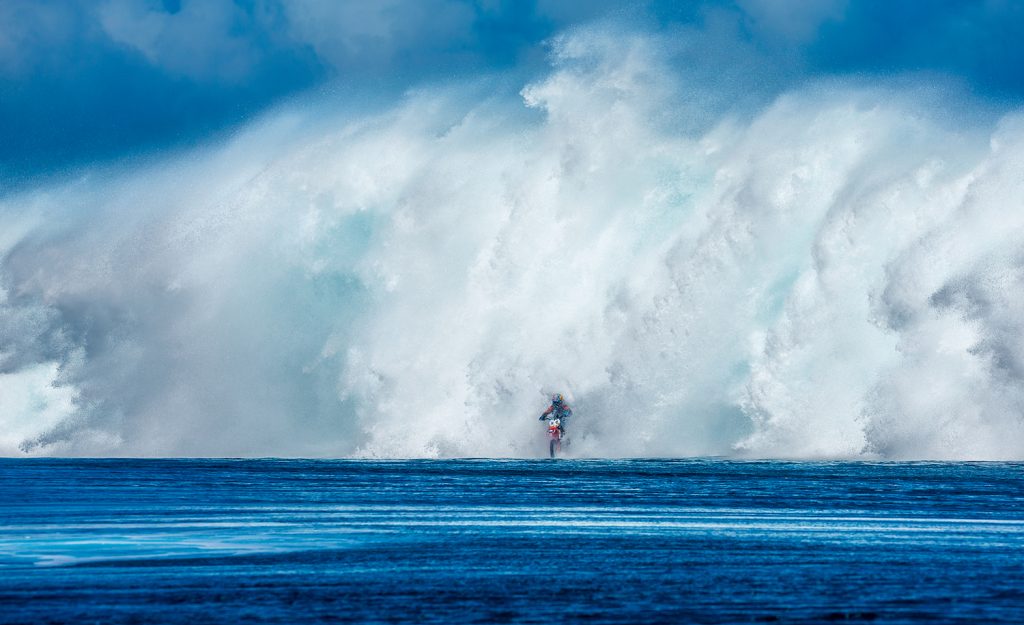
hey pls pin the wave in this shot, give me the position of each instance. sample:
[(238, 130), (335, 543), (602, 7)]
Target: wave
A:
[(834, 274)]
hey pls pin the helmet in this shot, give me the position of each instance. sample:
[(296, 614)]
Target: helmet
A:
[(556, 398)]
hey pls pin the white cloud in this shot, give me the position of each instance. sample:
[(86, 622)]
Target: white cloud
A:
[(793, 22), (352, 33), (205, 39), (31, 31)]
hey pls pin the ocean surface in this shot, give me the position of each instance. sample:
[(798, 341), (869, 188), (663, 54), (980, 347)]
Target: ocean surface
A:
[(509, 541)]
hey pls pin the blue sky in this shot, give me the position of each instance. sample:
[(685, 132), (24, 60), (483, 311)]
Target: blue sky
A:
[(87, 81)]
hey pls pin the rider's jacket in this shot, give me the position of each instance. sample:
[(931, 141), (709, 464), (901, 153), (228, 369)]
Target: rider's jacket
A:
[(562, 412)]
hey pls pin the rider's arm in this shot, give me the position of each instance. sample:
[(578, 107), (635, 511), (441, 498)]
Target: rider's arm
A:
[(544, 415)]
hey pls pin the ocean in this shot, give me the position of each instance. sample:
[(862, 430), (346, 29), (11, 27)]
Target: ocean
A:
[(509, 541)]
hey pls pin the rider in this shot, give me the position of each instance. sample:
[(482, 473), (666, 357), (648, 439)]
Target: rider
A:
[(558, 410)]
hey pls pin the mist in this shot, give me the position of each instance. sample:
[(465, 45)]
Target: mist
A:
[(702, 266)]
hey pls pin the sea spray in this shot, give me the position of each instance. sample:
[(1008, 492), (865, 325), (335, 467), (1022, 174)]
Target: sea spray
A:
[(834, 274)]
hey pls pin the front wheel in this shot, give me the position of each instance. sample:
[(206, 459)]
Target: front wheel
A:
[(553, 446)]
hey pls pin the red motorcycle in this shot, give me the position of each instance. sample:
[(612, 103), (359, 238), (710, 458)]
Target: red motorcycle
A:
[(554, 436)]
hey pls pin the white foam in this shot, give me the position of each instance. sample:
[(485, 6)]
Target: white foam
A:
[(838, 275)]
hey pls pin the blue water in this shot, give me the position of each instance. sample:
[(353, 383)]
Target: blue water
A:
[(490, 541)]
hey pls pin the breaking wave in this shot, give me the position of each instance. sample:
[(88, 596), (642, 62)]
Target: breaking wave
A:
[(836, 273)]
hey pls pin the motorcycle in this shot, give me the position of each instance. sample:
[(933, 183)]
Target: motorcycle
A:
[(554, 436)]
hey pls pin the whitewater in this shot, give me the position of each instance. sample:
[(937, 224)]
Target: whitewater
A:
[(833, 272)]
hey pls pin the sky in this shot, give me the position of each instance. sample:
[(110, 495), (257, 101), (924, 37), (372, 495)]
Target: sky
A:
[(84, 81)]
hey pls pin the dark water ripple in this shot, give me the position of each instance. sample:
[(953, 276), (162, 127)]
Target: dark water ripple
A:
[(492, 541)]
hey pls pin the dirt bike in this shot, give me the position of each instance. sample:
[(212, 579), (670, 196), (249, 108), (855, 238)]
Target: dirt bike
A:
[(554, 436)]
